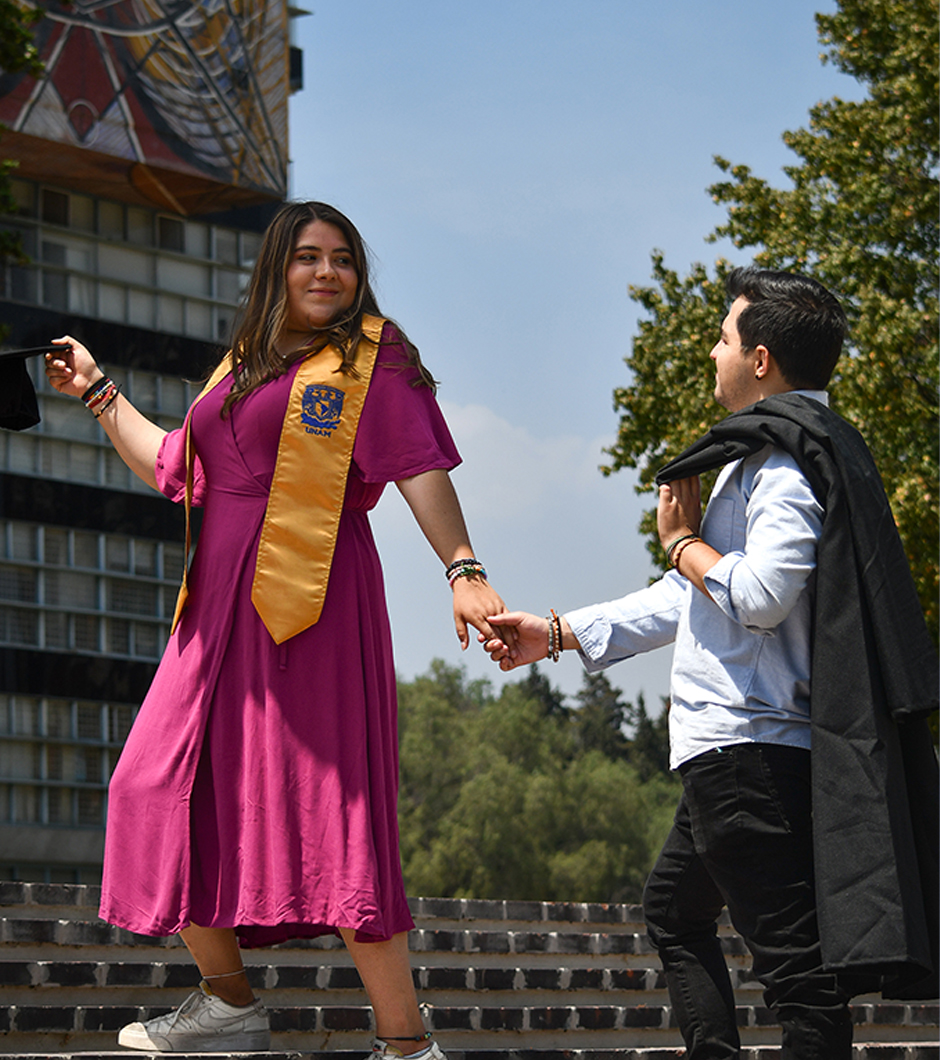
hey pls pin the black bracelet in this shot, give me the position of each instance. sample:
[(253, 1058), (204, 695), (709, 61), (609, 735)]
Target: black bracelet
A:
[(466, 562), (109, 402), (95, 387)]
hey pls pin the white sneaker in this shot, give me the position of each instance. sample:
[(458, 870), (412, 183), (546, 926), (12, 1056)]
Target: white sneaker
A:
[(392, 1052), (203, 1023)]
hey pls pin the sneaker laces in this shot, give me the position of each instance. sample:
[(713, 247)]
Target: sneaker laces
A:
[(192, 1002)]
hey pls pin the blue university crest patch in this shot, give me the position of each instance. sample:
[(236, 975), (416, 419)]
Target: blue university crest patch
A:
[(321, 409)]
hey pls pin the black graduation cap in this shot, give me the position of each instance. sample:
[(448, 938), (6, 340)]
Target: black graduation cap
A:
[(18, 406)]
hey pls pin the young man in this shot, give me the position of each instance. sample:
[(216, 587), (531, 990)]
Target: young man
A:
[(796, 627)]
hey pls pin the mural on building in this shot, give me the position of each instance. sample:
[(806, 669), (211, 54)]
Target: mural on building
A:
[(193, 88)]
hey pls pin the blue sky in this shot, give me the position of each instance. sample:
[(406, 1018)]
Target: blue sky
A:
[(512, 164)]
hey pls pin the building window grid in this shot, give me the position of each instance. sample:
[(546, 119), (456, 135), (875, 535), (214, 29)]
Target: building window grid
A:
[(37, 755), (76, 226), (66, 273), (54, 619), (70, 446), (148, 390)]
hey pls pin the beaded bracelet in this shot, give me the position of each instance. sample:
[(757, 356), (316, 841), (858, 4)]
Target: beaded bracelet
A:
[(466, 570), (110, 399), (95, 387), (458, 564), (96, 392), (465, 562), (100, 395), (672, 546), (554, 636)]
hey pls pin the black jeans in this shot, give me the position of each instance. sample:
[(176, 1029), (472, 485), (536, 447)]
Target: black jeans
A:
[(742, 837)]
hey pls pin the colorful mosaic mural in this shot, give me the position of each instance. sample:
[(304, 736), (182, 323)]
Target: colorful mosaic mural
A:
[(193, 88)]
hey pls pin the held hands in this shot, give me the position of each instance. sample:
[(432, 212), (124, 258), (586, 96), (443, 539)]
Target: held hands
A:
[(680, 509), (73, 370), (474, 600), (523, 639)]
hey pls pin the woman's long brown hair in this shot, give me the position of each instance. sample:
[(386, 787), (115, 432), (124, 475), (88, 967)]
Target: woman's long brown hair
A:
[(264, 307)]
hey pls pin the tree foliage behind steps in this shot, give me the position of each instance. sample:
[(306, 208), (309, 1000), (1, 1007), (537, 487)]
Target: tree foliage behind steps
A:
[(861, 215), (518, 795)]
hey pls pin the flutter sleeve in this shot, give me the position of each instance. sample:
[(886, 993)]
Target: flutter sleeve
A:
[(170, 469), (402, 430)]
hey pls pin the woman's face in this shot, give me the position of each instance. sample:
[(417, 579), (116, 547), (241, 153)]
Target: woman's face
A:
[(321, 278)]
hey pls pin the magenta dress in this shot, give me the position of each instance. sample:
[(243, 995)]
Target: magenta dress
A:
[(258, 787)]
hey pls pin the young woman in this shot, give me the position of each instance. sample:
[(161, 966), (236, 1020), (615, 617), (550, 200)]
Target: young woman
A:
[(255, 800)]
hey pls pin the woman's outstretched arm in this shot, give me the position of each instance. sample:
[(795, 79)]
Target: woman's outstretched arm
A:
[(433, 501), (136, 438)]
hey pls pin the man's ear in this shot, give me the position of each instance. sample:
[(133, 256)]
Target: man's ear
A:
[(767, 375), (764, 363)]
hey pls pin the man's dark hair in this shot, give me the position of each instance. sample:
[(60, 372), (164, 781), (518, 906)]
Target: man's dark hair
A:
[(796, 318)]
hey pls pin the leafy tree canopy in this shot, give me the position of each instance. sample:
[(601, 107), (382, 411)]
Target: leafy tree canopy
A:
[(17, 55), (861, 215), (516, 795), (17, 51), (649, 748), (601, 718)]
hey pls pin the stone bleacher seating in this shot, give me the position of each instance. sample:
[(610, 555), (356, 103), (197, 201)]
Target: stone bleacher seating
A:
[(498, 980)]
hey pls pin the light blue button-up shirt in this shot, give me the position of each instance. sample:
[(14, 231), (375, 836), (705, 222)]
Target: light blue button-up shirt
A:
[(741, 668)]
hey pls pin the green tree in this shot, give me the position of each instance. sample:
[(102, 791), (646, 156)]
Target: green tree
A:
[(485, 846), (500, 800), (514, 724), (435, 721), (17, 55), (861, 216), (589, 823), (668, 356), (481, 842), (649, 745), (600, 717), (17, 51), (538, 687)]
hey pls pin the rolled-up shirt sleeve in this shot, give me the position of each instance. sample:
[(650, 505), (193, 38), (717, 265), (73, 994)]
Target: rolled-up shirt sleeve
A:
[(170, 469), (758, 583), (641, 621)]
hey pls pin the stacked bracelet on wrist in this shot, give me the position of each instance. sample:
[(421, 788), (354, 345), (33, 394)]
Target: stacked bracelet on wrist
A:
[(464, 568), (100, 395), (678, 547), (672, 547), (554, 636)]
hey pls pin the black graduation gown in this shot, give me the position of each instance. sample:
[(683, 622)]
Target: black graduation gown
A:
[(874, 681)]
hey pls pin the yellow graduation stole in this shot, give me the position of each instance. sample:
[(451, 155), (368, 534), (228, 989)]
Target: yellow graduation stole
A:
[(301, 521)]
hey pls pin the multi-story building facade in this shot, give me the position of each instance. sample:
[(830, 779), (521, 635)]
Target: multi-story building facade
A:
[(150, 157)]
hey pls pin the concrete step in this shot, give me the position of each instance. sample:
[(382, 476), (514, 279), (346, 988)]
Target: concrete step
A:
[(861, 1051), (76, 982), (481, 1026), (530, 980), (75, 932)]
